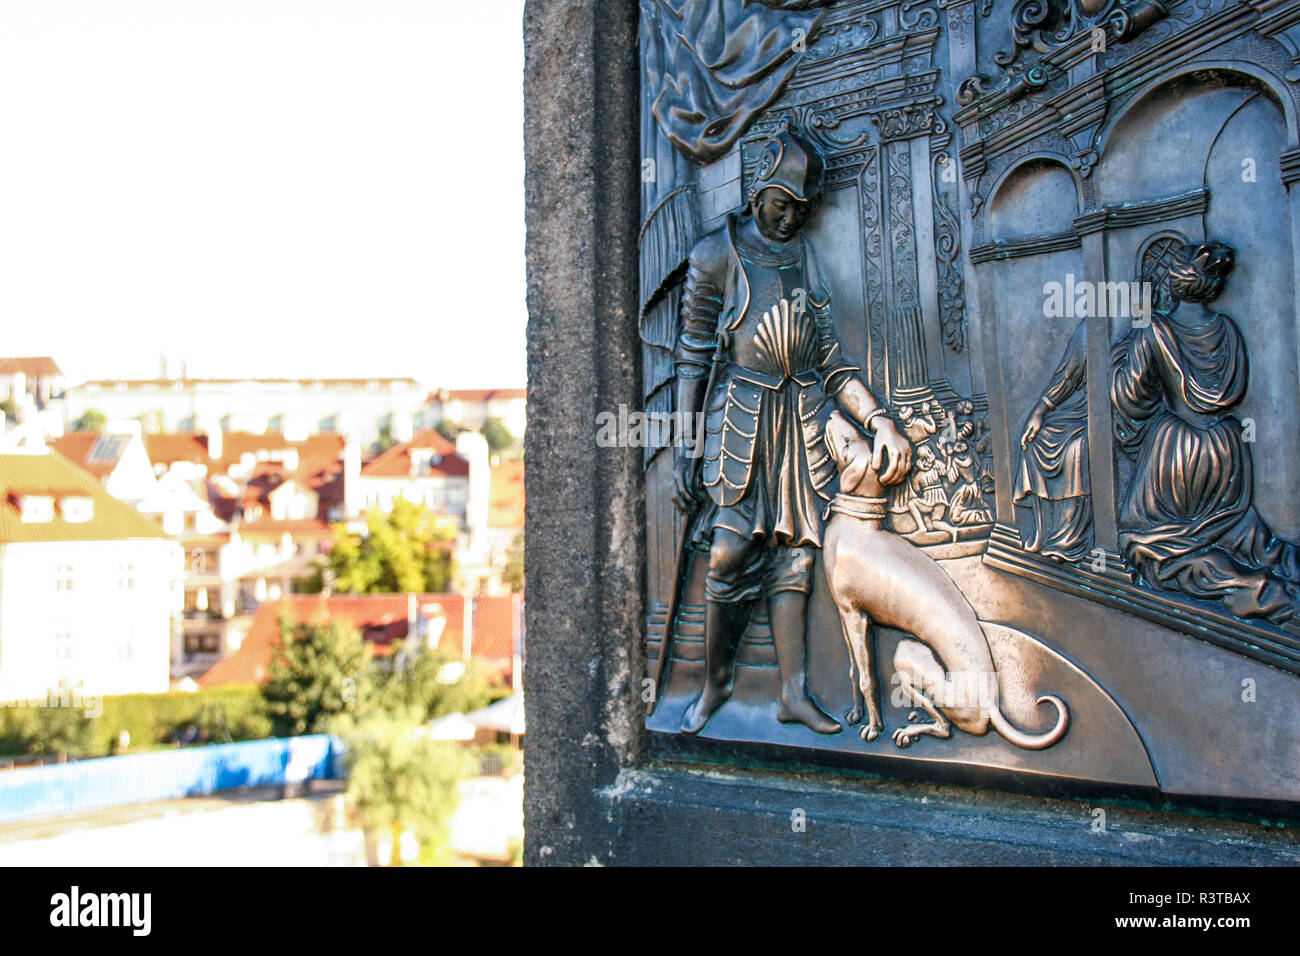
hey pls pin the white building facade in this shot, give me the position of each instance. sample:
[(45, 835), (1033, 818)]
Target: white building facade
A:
[(89, 588)]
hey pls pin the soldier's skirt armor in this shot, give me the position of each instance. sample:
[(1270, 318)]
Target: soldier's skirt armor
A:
[(765, 465)]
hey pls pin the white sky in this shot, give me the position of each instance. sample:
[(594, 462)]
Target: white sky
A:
[(264, 187)]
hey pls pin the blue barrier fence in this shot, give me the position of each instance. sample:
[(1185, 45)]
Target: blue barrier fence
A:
[(165, 775)]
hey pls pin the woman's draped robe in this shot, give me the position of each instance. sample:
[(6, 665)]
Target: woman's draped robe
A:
[(1053, 474), (1186, 522)]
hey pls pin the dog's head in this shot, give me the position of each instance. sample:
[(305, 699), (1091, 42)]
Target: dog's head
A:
[(851, 452)]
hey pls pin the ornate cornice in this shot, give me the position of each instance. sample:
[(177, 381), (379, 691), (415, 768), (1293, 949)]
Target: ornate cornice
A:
[(904, 122), (1030, 246)]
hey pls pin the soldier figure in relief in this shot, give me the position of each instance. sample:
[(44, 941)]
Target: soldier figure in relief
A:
[(756, 305)]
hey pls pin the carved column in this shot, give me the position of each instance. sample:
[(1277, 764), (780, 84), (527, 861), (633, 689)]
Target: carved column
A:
[(953, 279), (874, 268), (1289, 162), (912, 291), (1101, 462)]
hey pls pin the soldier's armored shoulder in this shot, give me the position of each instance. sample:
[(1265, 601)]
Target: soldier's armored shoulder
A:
[(712, 254), (702, 298)]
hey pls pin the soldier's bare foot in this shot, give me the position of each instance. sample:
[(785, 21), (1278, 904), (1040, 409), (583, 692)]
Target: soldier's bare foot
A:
[(702, 708), (802, 710)]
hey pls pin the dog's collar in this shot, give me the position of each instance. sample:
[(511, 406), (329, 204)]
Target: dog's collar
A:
[(857, 506)]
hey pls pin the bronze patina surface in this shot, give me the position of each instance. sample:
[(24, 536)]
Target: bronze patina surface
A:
[(977, 324)]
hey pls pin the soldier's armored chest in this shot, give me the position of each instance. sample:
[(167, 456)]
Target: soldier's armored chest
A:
[(772, 338)]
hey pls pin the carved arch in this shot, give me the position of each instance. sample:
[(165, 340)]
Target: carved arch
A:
[(1020, 167), (1251, 75)]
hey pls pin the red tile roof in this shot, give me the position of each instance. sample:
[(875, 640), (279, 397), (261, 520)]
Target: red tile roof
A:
[(380, 617), (314, 451), (317, 449), (52, 474), (396, 461), (496, 621), (294, 527), (167, 448), (474, 395), (77, 446), (39, 366)]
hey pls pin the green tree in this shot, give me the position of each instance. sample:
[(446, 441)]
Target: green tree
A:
[(513, 573), (399, 780), (449, 430), (317, 672), (402, 551), (385, 440), (429, 684), (9, 409), (91, 420), (498, 436), (61, 732)]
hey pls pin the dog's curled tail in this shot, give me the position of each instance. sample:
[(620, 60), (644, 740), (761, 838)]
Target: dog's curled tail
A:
[(1033, 741)]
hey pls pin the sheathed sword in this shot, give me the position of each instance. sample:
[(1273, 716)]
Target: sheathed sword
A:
[(683, 543)]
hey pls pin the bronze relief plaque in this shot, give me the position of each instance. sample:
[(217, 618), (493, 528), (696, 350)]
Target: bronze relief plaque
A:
[(970, 372)]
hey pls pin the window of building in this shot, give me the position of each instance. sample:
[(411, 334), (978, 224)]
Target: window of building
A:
[(63, 646), (63, 577), (204, 642), (126, 576), (37, 509), (77, 509)]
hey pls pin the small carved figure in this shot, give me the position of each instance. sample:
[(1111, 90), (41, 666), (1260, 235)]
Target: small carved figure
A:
[(1053, 474), (967, 506), (758, 353), (1187, 522), (918, 427), (963, 413), (877, 575), (928, 502)]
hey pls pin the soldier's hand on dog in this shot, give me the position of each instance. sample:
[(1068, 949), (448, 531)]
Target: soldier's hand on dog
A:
[(888, 441)]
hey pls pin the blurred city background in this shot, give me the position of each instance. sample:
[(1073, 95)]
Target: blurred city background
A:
[(261, 452)]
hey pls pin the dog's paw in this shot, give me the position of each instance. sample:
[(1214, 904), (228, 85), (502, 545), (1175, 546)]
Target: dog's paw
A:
[(871, 731), (854, 716)]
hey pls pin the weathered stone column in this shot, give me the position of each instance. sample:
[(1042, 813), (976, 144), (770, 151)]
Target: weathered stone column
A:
[(584, 536)]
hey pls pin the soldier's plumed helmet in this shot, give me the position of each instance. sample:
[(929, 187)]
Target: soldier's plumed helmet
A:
[(791, 163)]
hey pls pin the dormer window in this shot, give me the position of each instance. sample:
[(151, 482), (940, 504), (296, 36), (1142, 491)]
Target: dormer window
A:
[(37, 509), (77, 509)]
